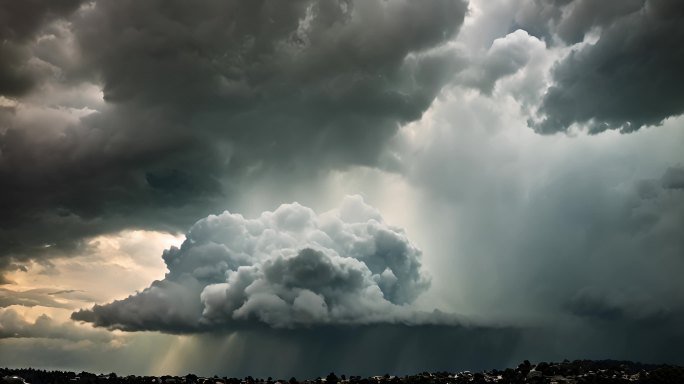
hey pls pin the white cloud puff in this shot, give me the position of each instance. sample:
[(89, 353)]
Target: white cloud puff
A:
[(287, 268)]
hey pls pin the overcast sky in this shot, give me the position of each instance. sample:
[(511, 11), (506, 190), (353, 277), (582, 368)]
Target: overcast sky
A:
[(279, 188)]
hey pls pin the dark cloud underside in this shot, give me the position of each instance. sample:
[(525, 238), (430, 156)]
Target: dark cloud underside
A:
[(19, 22), (630, 78), (570, 20), (201, 97)]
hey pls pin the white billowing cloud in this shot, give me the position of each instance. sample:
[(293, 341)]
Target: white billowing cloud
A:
[(286, 268), (505, 57)]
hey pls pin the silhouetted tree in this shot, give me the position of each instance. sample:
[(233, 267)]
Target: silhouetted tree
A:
[(331, 378)]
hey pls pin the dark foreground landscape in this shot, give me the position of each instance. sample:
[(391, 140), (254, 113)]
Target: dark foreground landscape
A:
[(566, 372)]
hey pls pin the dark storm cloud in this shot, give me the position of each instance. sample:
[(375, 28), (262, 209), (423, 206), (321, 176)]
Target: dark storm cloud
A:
[(273, 81), (617, 307), (571, 20), (638, 325), (287, 268), (63, 186), (19, 22), (200, 98), (630, 78)]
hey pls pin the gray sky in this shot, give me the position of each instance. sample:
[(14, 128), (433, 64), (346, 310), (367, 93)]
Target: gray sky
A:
[(359, 186)]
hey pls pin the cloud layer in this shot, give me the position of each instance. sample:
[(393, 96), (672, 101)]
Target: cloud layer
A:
[(13, 325), (286, 268), (185, 103)]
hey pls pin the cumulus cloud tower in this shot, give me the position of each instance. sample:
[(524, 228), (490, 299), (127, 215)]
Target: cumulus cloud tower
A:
[(286, 268)]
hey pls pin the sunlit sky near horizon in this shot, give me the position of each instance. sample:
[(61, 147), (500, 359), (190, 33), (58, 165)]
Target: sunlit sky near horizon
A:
[(284, 189)]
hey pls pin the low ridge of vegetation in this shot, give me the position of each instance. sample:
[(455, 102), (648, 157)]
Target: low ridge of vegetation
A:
[(566, 372)]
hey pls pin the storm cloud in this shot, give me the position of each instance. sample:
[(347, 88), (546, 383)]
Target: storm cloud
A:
[(286, 268), (123, 123), (20, 22), (629, 78), (13, 325), (571, 20), (185, 103)]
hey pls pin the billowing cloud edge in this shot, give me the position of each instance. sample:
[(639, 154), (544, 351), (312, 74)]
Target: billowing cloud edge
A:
[(288, 268)]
